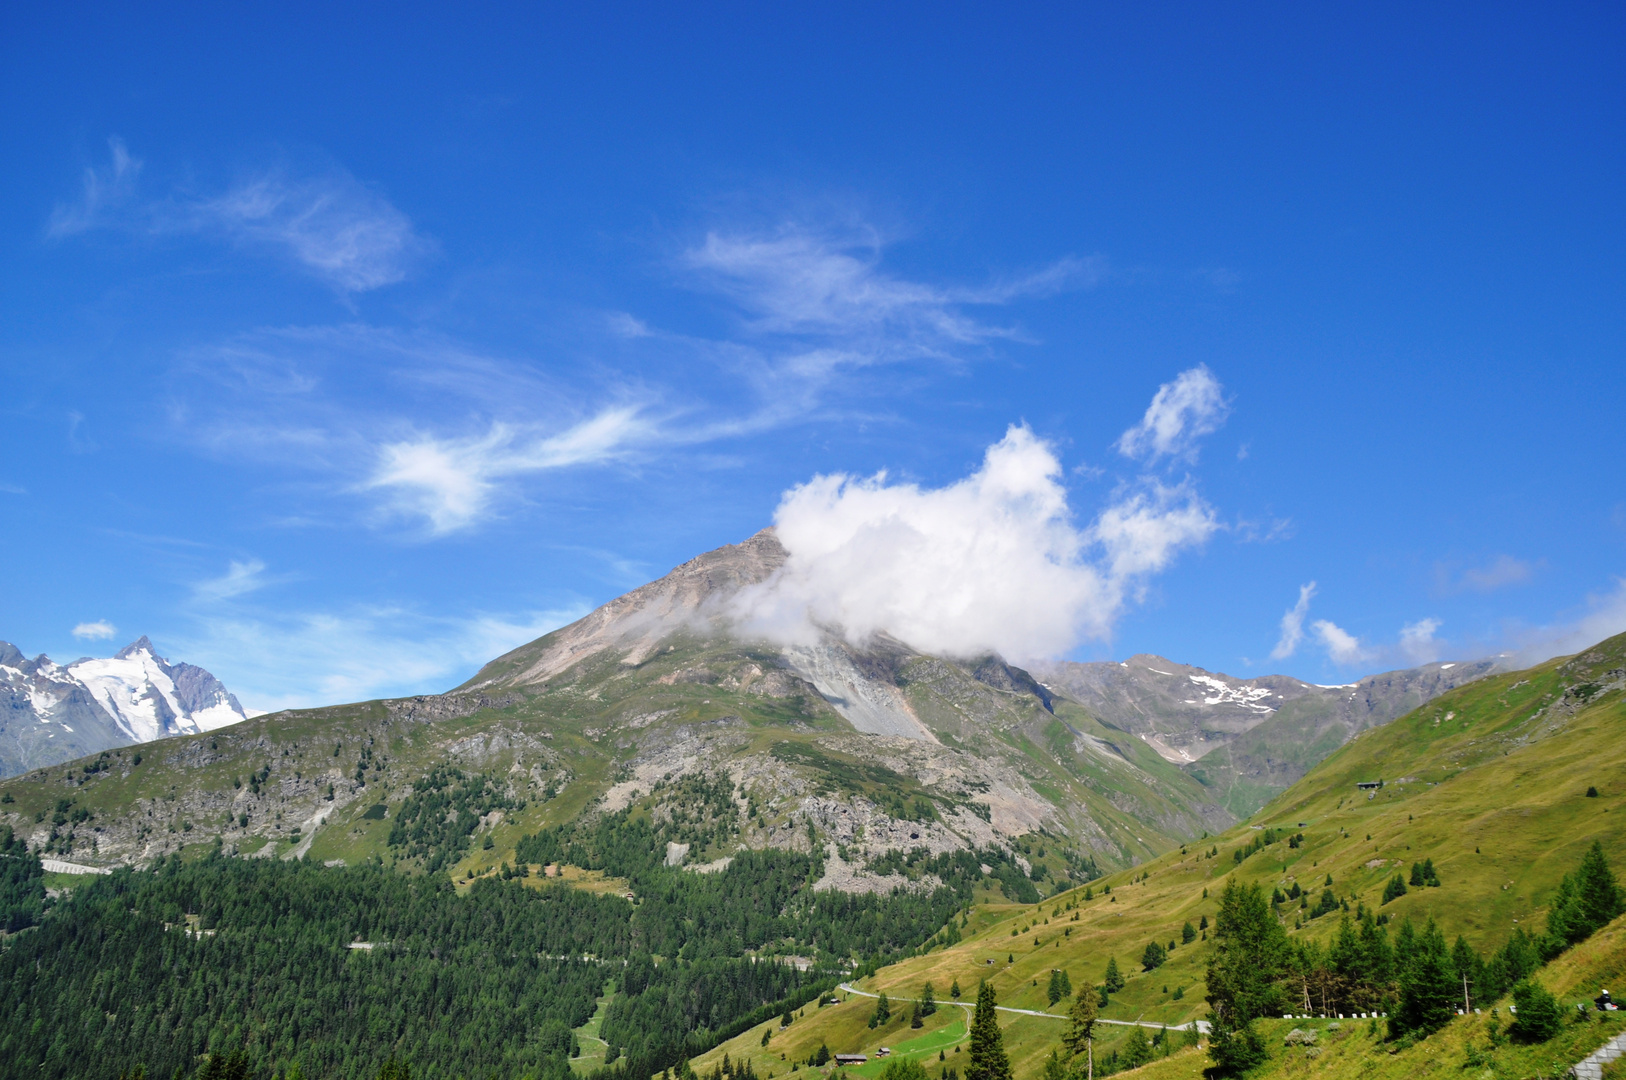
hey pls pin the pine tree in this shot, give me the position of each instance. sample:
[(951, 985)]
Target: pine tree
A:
[(1394, 890), (1429, 990), (988, 1060), (1114, 979), (1586, 901), (1540, 1016), (1251, 956), (954, 990), (928, 1000), (1188, 934), (1053, 993), (883, 1011), (1136, 1050), (1080, 1037)]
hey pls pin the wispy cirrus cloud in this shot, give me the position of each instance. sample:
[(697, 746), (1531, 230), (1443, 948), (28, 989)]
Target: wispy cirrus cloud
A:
[(104, 193), (802, 282), (1503, 571), (1293, 624), (240, 578), (332, 225), (449, 481), (446, 435), (327, 222)]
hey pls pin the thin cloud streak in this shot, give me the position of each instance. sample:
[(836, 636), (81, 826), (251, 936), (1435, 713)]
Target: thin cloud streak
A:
[(450, 482), (814, 311), (332, 225), (1293, 624), (239, 579)]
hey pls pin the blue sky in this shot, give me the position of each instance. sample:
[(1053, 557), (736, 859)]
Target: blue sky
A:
[(343, 350)]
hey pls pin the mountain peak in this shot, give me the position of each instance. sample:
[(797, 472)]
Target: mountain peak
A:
[(96, 703), (139, 645)]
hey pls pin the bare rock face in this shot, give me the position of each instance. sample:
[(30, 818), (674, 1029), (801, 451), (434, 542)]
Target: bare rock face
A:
[(637, 623)]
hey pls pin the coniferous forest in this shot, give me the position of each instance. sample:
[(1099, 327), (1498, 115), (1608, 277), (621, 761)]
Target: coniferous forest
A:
[(340, 970)]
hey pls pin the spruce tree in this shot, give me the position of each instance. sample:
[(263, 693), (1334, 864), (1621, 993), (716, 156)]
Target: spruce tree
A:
[(928, 1000), (883, 1011), (1586, 901), (1429, 990), (988, 1060), (1114, 979), (1540, 1016), (1251, 956), (1080, 1037), (1136, 1050)]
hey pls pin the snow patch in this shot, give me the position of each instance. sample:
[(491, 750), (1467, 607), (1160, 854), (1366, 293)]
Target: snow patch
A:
[(1223, 693)]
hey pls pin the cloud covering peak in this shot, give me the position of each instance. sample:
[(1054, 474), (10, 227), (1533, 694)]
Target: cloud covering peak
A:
[(990, 563)]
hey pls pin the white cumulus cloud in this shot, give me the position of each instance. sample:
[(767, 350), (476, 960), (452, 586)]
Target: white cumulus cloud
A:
[(1342, 647), (1181, 413), (1293, 624), (99, 630), (993, 562)]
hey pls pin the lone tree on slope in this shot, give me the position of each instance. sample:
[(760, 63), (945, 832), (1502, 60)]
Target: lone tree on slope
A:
[(988, 1060), (1080, 1037)]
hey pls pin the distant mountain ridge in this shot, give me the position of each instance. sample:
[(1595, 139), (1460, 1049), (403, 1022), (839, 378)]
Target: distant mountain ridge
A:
[(51, 712), (1247, 739)]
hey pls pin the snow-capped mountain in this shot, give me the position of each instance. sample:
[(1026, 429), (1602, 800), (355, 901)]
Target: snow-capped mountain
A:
[(51, 712)]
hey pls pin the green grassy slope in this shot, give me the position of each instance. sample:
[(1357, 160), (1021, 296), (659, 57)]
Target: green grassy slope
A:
[(557, 749), (1489, 781)]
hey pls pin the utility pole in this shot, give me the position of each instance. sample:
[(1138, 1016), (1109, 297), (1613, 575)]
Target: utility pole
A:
[(1466, 1007)]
